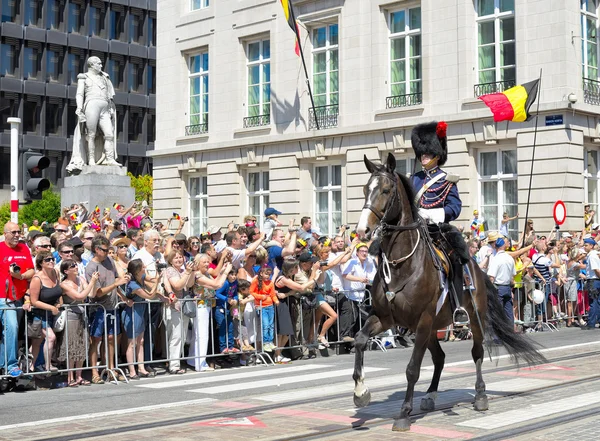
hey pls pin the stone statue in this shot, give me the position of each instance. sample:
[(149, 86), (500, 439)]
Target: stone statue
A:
[(95, 110)]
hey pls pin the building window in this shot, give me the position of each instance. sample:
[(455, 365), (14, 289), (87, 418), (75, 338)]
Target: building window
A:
[(33, 13), (151, 125), (328, 198), (54, 112), (136, 75), (10, 10), (54, 63), (498, 188), (325, 77), (32, 60), (151, 29), (97, 14), (199, 4), (151, 77), (199, 93), (9, 57), (591, 176), (75, 19), (75, 61), (496, 45), (72, 120), (589, 35), (54, 15), (405, 58), (9, 107), (406, 165), (116, 71), (121, 115), (259, 83), (116, 22), (136, 118), (32, 109), (258, 194), (198, 191), (136, 26)]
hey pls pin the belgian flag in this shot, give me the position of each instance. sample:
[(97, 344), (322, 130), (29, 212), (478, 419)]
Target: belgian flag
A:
[(288, 11), (512, 104), (176, 216)]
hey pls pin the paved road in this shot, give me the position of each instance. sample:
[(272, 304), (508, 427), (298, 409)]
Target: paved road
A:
[(312, 399)]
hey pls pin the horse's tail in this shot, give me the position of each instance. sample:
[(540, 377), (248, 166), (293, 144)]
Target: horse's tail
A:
[(501, 329)]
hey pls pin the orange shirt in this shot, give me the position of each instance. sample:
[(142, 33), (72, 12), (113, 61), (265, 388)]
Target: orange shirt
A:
[(267, 294)]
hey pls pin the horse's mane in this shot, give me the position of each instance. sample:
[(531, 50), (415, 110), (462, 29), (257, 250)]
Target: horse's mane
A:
[(410, 194)]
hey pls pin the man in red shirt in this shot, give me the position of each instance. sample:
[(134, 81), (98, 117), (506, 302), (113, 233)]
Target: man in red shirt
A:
[(16, 269)]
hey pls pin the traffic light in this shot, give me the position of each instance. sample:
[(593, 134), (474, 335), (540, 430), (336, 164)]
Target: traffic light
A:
[(33, 183)]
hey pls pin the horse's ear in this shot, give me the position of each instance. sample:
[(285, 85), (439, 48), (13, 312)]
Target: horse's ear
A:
[(391, 163), (370, 166)]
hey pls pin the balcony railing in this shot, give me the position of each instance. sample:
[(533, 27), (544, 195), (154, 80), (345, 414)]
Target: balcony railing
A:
[(196, 129), (327, 116), (498, 86), (411, 99), (591, 91), (257, 121)]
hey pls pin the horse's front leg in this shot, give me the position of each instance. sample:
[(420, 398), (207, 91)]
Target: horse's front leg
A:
[(413, 370), (438, 357), (372, 327)]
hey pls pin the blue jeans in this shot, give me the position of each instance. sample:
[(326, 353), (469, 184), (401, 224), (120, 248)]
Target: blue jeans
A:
[(594, 312), (267, 315), (505, 296), (225, 327), (9, 345)]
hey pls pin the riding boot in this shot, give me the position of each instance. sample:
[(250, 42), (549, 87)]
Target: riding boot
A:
[(460, 316), (91, 143), (110, 153)]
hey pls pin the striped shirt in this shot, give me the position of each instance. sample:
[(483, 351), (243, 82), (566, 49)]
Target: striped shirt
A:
[(542, 263)]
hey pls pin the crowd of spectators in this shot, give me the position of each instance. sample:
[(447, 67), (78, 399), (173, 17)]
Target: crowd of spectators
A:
[(126, 296)]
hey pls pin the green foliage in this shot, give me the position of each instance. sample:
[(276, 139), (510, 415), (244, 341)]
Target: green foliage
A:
[(46, 209), (4, 214), (143, 186)]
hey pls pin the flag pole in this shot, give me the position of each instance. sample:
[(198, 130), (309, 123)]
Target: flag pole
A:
[(532, 156), (312, 101)]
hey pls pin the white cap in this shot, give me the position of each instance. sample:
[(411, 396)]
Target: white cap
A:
[(567, 234), (220, 246), (595, 226)]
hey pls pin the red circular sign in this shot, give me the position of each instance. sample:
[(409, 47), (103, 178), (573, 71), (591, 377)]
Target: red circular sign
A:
[(559, 211)]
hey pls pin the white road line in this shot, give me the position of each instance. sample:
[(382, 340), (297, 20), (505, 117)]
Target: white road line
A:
[(89, 416), (528, 413), (241, 385), (207, 378), (501, 357)]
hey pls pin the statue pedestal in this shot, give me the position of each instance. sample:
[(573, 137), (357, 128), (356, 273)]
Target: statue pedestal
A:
[(102, 185)]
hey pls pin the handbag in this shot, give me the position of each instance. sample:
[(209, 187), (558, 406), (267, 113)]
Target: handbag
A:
[(308, 302), (34, 329), (61, 320), (189, 306)]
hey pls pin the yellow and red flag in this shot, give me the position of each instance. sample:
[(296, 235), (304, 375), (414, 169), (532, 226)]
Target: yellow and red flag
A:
[(512, 104), (73, 216), (117, 206), (97, 210), (290, 17)]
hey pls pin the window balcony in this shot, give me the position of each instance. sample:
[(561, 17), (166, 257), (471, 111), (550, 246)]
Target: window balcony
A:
[(411, 99), (197, 129), (591, 91), (327, 117), (498, 86), (257, 121)]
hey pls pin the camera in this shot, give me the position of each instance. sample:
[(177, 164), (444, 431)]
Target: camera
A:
[(236, 226), (323, 263), (160, 266), (185, 219), (16, 268), (345, 226)]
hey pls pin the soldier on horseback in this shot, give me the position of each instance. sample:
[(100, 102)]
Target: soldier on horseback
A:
[(439, 202)]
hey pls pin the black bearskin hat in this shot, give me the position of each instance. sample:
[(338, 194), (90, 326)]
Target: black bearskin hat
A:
[(430, 138)]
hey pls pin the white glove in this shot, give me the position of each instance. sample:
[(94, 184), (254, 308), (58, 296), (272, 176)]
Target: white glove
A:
[(424, 214), (433, 215)]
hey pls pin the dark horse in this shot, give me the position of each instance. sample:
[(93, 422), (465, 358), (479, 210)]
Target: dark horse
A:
[(390, 214)]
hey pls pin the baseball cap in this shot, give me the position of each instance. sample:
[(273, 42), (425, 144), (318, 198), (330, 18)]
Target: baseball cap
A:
[(33, 234), (116, 234), (590, 241), (220, 246), (595, 226), (307, 257), (567, 234), (180, 237), (360, 245), (269, 211), (75, 242), (213, 229), (475, 212), (500, 242)]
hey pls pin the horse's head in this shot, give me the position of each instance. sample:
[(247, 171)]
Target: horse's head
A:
[(380, 196)]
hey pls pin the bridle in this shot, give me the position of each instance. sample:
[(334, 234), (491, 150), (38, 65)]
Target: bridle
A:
[(385, 227)]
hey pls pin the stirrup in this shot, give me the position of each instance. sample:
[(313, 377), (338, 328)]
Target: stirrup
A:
[(460, 309)]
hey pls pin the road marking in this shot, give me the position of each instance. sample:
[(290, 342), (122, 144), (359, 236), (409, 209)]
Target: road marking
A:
[(240, 422), (501, 357), (243, 385), (529, 413), (207, 378), (441, 433), (89, 416), (548, 375)]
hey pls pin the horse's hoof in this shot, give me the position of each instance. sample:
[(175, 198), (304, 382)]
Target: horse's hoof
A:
[(481, 404), (401, 425), (427, 404), (363, 400)]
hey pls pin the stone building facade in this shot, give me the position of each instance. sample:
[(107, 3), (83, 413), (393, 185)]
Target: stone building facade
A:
[(235, 132)]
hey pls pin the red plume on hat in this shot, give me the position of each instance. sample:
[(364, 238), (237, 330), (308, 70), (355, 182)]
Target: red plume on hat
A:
[(430, 138)]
